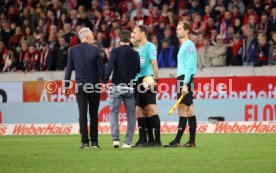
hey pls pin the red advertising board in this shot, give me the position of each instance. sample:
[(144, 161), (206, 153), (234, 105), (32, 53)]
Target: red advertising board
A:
[(204, 88)]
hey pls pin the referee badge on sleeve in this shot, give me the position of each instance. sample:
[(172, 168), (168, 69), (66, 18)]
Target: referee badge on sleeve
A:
[(154, 52), (190, 49)]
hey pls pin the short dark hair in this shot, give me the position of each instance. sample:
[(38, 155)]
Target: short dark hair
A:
[(186, 25), (144, 29), (125, 36)]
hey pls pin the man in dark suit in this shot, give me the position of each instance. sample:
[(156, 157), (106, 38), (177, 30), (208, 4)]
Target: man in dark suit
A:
[(87, 62), (125, 64)]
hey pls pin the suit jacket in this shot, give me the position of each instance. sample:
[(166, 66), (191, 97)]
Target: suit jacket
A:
[(87, 62), (125, 64)]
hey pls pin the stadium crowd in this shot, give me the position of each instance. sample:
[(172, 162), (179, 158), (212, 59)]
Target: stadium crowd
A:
[(35, 35)]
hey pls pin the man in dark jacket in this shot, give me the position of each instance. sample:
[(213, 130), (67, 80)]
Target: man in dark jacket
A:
[(125, 64), (87, 62)]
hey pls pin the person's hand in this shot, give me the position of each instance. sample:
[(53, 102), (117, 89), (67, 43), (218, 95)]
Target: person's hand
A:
[(184, 90), (66, 93), (105, 88)]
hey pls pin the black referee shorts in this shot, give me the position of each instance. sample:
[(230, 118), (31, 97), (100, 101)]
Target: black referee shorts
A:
[(188, 99), (144, 97)]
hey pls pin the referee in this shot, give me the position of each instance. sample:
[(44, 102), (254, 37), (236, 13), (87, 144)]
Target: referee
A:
[(186, 68), (148, 119)]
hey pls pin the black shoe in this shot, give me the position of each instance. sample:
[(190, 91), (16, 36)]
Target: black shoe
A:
[(173, 144), (95, 145), (189, 144), (140, 144), (150, 144), (84, 146), (158, 144)]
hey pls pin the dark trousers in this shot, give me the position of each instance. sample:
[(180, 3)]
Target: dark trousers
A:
[(93, 100)]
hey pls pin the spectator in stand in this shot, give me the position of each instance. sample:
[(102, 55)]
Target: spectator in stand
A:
[(6, 33), (258, 7), (272, 22), (53, 29), (153, 19), (204, 54), (130, 8), (139, 5), (168, 34), (152, 30), (250, 11), (98, 21), (160, 30), (229, 37), (195, 40), (208, 27), (73, 19), (28, 36), (263, 25), (26, 23), (84, 21), (63, 19), (125, 23), (208, 11), (238, 27), (34, 56), (236, 13), (214, 34), (195, 7), (173, 20), (264, 51), (234, 52), (10, 62), (272, 54), (166, 56), (68, 32), (53, 45), (47, 59), (140, 18), (198, 24), (101, 41), (115, 40), (250, 48), (24, 57), (225, 23), (253, 24), (3, 53), (237, 3), (164, 13), (218, 56), (15, 39), (40, 39), (62, 54), (51, 21), (154, 40), (75, 39)]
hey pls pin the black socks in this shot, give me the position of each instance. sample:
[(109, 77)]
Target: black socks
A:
[(149, 130), (142, 130), (192, 124), (181, 127), (155, 122)]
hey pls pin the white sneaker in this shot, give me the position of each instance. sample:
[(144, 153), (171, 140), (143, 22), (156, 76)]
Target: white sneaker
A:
[(116, 144), (126, 146)]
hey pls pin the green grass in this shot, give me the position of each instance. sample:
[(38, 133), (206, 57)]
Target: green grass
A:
[(215, 153)]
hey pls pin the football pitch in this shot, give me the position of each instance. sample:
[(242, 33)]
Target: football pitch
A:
[(214, 153)]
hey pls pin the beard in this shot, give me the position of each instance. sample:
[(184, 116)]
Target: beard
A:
[(181, 36)]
